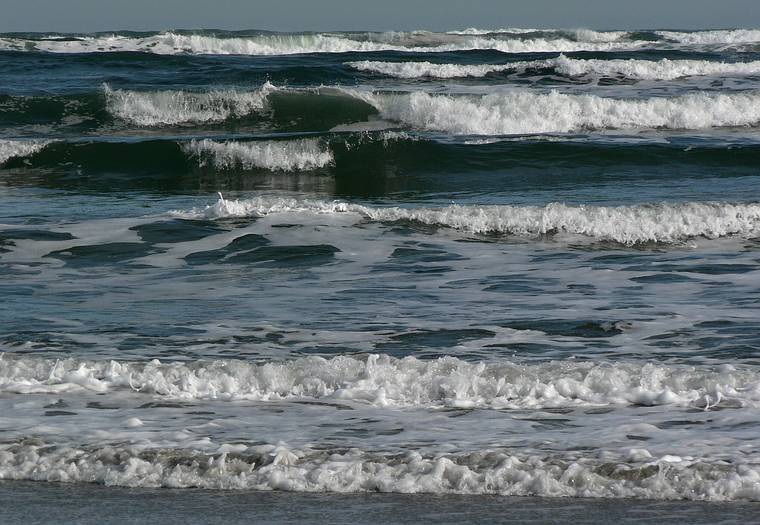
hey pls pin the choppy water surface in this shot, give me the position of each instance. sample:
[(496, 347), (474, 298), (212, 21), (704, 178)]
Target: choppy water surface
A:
[(517, 261)]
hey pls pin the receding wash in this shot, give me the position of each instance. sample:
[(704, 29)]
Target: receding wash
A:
[(511, 262)]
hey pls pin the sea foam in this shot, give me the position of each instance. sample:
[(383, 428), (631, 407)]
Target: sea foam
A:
[(291, 155), (278, 467), (382, 380), (624, 224)]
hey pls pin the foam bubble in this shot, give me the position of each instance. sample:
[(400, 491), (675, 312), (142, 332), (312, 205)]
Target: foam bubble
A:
[(664, 69), (625, 224), (525, 112), (20, 148), (385, 381), (156, 108), (291, 155)]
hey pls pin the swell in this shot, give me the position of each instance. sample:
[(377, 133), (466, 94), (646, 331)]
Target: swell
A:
[(267, 107), (511, 112), (629, 225), (361, 156)]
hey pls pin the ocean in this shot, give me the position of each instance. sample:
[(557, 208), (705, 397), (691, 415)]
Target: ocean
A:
[(465, 267)]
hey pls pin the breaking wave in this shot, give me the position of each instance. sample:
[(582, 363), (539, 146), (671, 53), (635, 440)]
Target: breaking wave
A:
[(293, 155), (270, 467), (156, 108), (624, 224), (583, 35), (382, 380), (734, 36), (10, 149), (524, 112), (664, 69)]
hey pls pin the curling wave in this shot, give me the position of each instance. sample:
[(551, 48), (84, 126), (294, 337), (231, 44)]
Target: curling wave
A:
[(624, 224), (293, 155), (382, 380)]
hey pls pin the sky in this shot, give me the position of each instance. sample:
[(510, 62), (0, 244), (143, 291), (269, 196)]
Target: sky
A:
[(323, 15)]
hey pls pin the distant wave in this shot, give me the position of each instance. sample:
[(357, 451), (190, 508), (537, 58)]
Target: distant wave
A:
[(624, 224), (155, 108), (285, 43), (510, 40), (521, 112), (581, 35), (732, 36), (291, 155), (664, 69), (20, 148)]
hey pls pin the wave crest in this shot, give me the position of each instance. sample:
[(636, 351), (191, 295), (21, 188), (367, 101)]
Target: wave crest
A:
[(664, 69), (292, 155), (10, 149), (643, 223), (156, 108), (524, 112)]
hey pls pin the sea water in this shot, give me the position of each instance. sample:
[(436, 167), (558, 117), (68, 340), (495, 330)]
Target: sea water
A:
[(511, 262)]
